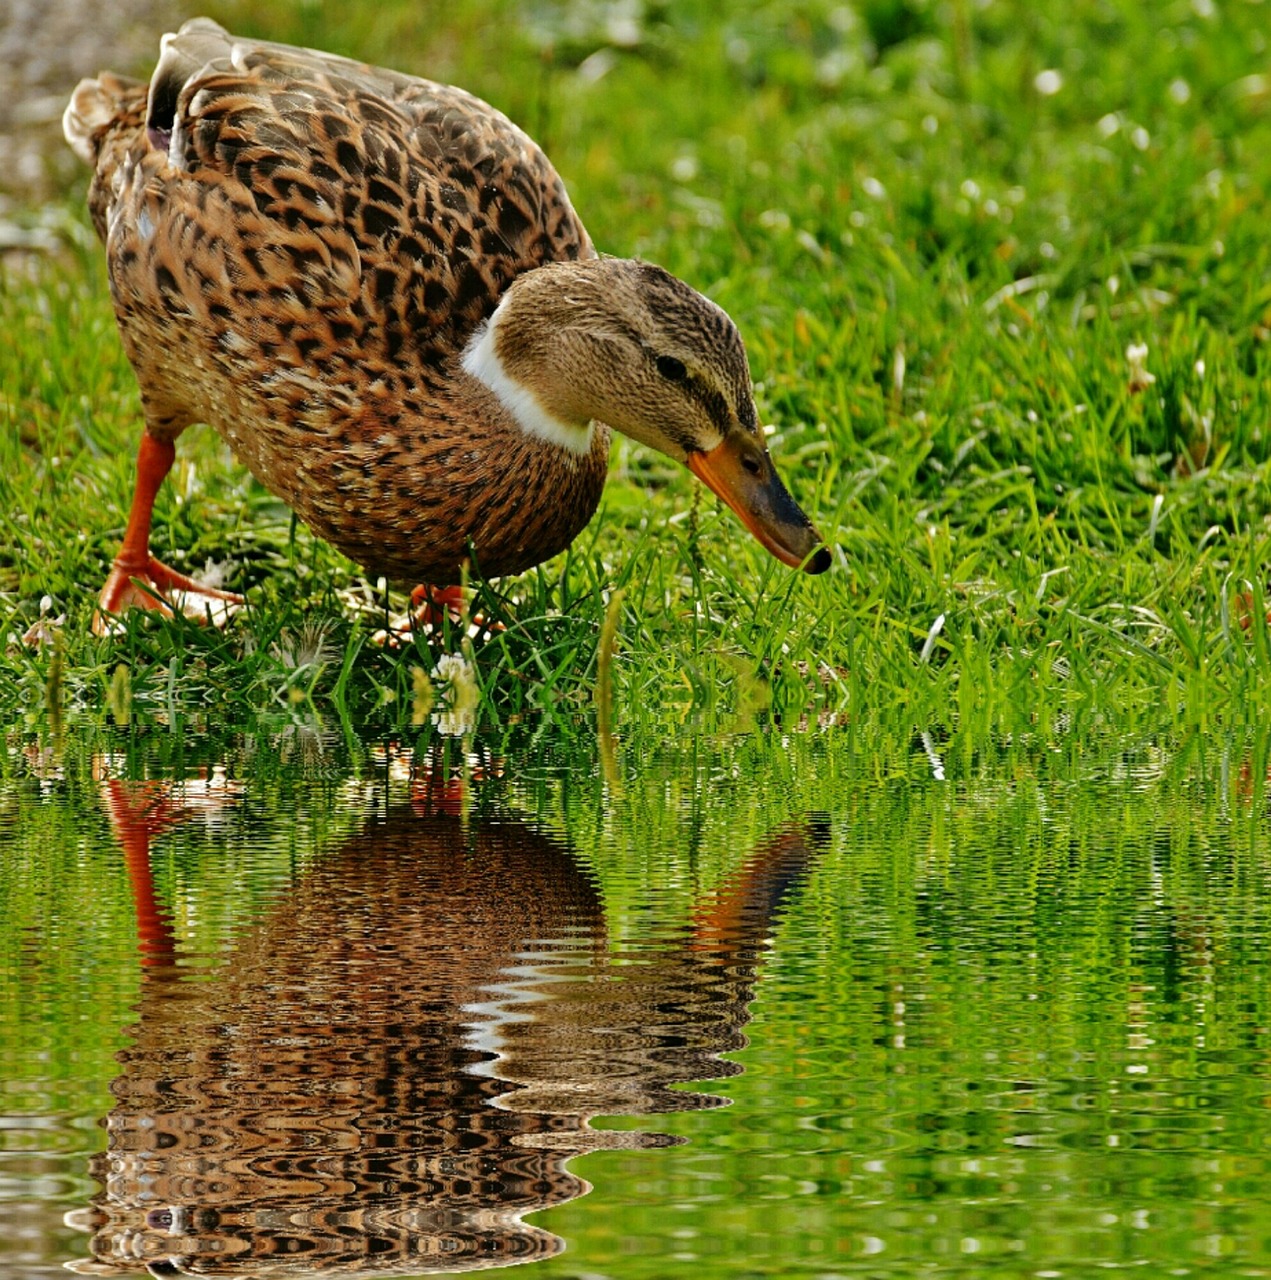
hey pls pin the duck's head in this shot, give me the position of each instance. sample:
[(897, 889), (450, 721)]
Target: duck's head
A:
[(625, 343)]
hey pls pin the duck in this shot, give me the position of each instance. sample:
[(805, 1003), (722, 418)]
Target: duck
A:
[(376, 289)]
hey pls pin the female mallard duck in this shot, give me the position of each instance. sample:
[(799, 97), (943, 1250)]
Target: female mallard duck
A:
[(376, 288)]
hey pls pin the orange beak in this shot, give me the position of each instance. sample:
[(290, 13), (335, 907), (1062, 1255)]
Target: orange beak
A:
[(740, 471)]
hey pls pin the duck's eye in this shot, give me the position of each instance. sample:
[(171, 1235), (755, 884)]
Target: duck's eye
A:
[(671, 369)]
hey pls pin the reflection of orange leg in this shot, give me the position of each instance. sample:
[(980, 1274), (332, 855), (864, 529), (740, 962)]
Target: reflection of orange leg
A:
[(134, 561), (138, 812), (434, 790), (1248, 785), (432, 793)]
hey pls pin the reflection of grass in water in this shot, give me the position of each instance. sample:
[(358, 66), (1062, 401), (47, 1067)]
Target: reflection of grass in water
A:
[(1016, 1008), (971, 961), (940, 232)]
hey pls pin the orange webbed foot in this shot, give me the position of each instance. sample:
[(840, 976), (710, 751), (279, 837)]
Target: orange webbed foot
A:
[(151, 584), (430, 608), (432, 605), (137, 580), (1244, 610)]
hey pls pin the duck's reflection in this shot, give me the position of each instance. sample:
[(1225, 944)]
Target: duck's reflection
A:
[(396, 1063)]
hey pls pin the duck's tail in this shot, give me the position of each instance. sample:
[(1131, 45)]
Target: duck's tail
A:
[(101, 122), (102, 107), (108, 116)]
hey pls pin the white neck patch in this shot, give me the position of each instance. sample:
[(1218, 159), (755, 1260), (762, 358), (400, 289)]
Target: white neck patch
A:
[(481, 360)]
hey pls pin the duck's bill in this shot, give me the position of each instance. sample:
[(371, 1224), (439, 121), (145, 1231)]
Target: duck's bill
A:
[(763, 503)]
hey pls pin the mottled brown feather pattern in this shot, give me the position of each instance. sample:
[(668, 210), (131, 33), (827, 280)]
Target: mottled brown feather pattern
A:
[(299, 247)]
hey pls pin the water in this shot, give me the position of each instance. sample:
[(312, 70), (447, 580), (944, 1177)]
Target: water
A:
[(838, 1003)]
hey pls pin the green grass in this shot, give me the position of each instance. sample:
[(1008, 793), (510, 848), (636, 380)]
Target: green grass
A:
[(938, 265)]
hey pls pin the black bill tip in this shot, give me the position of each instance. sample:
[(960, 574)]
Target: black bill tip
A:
[(820, 562)]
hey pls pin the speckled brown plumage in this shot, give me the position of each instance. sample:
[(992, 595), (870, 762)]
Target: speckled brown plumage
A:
[(300, 265), (376, 289)]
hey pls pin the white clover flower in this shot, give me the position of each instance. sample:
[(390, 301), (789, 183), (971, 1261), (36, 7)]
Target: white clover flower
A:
[(1140, 378), (460, 693), (685, 167), (452, 665)]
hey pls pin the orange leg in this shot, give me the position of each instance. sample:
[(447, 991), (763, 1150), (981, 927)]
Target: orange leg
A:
[(152, 578), (432, 605)]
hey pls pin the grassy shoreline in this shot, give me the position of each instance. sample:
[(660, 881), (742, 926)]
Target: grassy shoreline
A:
[(939, 232)]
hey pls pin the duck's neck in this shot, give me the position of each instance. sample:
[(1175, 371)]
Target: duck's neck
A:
[(482, 359)]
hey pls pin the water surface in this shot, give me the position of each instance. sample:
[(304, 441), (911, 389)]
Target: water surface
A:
[(827, 1004)]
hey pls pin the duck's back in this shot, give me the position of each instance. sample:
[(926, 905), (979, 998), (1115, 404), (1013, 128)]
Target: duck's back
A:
[(419, 179), (299, 246)]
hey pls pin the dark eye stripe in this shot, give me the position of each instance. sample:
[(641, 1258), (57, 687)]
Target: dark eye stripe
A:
[(711, 400), (671, 369)]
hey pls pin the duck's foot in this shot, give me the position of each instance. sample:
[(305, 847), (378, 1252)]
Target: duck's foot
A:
[(1244, 610), (151, 584), (431, 606)]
